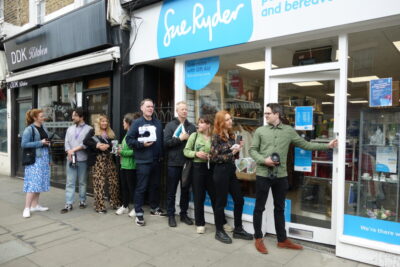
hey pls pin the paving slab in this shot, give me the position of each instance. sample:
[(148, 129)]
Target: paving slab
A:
[(117, 256), (66, 253), (208, 240), (238, 258), (13, 249), (7, 237), (94, 222), (188, 255), (40, 241), (42, 230), (31, 223), (317, 259), (160, 242), (20, 262)]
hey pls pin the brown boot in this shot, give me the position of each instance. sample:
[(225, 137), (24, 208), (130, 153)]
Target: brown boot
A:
[(260, 246), (289, 244)]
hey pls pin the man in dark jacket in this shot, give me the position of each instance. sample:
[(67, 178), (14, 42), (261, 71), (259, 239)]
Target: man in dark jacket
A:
[(176, 134), (145, 137)]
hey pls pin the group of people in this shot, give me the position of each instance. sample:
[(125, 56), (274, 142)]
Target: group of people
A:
[(213, 149)]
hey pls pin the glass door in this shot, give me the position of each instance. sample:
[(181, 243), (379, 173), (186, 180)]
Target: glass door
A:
[(310, 213)]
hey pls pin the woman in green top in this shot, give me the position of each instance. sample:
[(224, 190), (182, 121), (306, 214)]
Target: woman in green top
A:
[(128, 167), (198, 147)]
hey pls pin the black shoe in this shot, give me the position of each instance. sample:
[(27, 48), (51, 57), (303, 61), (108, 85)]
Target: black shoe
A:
[(157, 212), (139, 220), (171, 221), (240, 233), (223, 237), (82, 205), (186, 219), (68, 207)]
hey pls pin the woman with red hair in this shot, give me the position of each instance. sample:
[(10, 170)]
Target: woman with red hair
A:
[(224, 151)]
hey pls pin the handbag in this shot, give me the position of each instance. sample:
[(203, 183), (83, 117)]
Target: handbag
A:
[(187, 169), (29, 154)]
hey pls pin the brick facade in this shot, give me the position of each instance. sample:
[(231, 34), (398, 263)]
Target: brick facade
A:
[(16, 12), (54, 5)]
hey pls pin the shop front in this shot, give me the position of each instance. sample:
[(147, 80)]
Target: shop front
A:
[(66, 63), (334, 67)]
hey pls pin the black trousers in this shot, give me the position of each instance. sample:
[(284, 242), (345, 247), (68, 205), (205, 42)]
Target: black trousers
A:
[(225, 182), (202, 182), (174, 177), (128, 182), (279, 187)]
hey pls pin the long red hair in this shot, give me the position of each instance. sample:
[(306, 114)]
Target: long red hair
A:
[(219, 125)]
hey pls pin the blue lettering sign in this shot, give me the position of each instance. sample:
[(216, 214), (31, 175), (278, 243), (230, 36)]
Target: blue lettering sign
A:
[(200, 72), (188, 26)]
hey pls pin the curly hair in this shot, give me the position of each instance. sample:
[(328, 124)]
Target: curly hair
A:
[(31, 115), (219, 126), (97, 129)]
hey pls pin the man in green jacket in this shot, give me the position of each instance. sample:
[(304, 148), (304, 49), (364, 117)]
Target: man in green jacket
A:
[(271, 140)]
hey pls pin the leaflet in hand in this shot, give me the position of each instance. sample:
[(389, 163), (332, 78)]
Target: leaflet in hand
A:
[(180, 129)]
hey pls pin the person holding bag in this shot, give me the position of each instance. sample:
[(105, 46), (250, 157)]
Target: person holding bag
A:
[(198, 148), (223, 154), (37, 173), (98, 142)]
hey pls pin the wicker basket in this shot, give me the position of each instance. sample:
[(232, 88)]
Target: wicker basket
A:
[(246, 176)]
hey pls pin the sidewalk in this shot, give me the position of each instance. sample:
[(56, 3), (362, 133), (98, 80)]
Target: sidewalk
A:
[(85, 238)]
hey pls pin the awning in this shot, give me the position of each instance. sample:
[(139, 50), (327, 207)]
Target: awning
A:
[(91, 59)]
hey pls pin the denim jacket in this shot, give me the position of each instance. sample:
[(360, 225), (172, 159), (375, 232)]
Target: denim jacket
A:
[(27, 139)]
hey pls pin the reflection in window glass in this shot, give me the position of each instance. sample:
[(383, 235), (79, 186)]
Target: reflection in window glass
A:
[(306, 53), (373, 192), (3, 119), (240, 91), (57, 102)]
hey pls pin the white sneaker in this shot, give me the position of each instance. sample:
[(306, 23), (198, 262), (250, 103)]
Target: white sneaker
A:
[(122, 210), (132, 213), (228, 228), (201, 229), (39, 208), (26, 213)]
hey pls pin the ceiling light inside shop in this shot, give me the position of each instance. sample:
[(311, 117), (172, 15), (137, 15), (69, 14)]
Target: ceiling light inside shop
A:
[(303, 84), (354, 101), (327, 103), (259, 65), (397, 45), (333, 94), (362, 79)]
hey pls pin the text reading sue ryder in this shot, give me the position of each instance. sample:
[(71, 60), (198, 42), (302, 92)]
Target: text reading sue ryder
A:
[(275, 7)]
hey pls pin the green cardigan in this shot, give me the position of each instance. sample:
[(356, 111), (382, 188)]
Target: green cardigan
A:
[(127, 159)]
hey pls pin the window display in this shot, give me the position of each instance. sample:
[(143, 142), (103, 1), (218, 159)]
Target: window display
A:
[(238, 89), (3, 119)]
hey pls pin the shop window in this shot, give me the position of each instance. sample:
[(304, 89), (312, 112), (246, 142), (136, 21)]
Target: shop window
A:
[(306, 53), (373, 119), (24, 92), (57, 102), (3, 119), (237, 87)]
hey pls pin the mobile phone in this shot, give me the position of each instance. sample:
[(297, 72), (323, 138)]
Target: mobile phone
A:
[(238, 139)]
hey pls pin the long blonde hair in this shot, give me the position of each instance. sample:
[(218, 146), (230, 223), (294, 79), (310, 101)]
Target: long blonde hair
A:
[(97, 129)]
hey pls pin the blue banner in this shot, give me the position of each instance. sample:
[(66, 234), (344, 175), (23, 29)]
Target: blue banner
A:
[(188, 26), (200, 72), (380, 92), (302, 160), (304, 118), (372, 229)]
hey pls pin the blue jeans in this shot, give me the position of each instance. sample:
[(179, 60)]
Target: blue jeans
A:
[(174, 176), (147, 175), (80, 172)]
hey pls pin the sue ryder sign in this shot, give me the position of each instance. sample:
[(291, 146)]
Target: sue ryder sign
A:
[(80, 30), (178, 27)]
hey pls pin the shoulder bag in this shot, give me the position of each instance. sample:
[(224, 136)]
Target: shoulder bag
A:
[(29, 154), (187, 168)]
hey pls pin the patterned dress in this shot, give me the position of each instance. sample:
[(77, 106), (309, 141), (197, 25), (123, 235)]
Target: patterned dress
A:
[(37, 175)]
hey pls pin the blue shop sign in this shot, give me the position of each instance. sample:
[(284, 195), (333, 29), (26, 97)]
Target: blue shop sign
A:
[(372, 229), (304, 118), (380, 93), (200, 72), (188, 26)]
